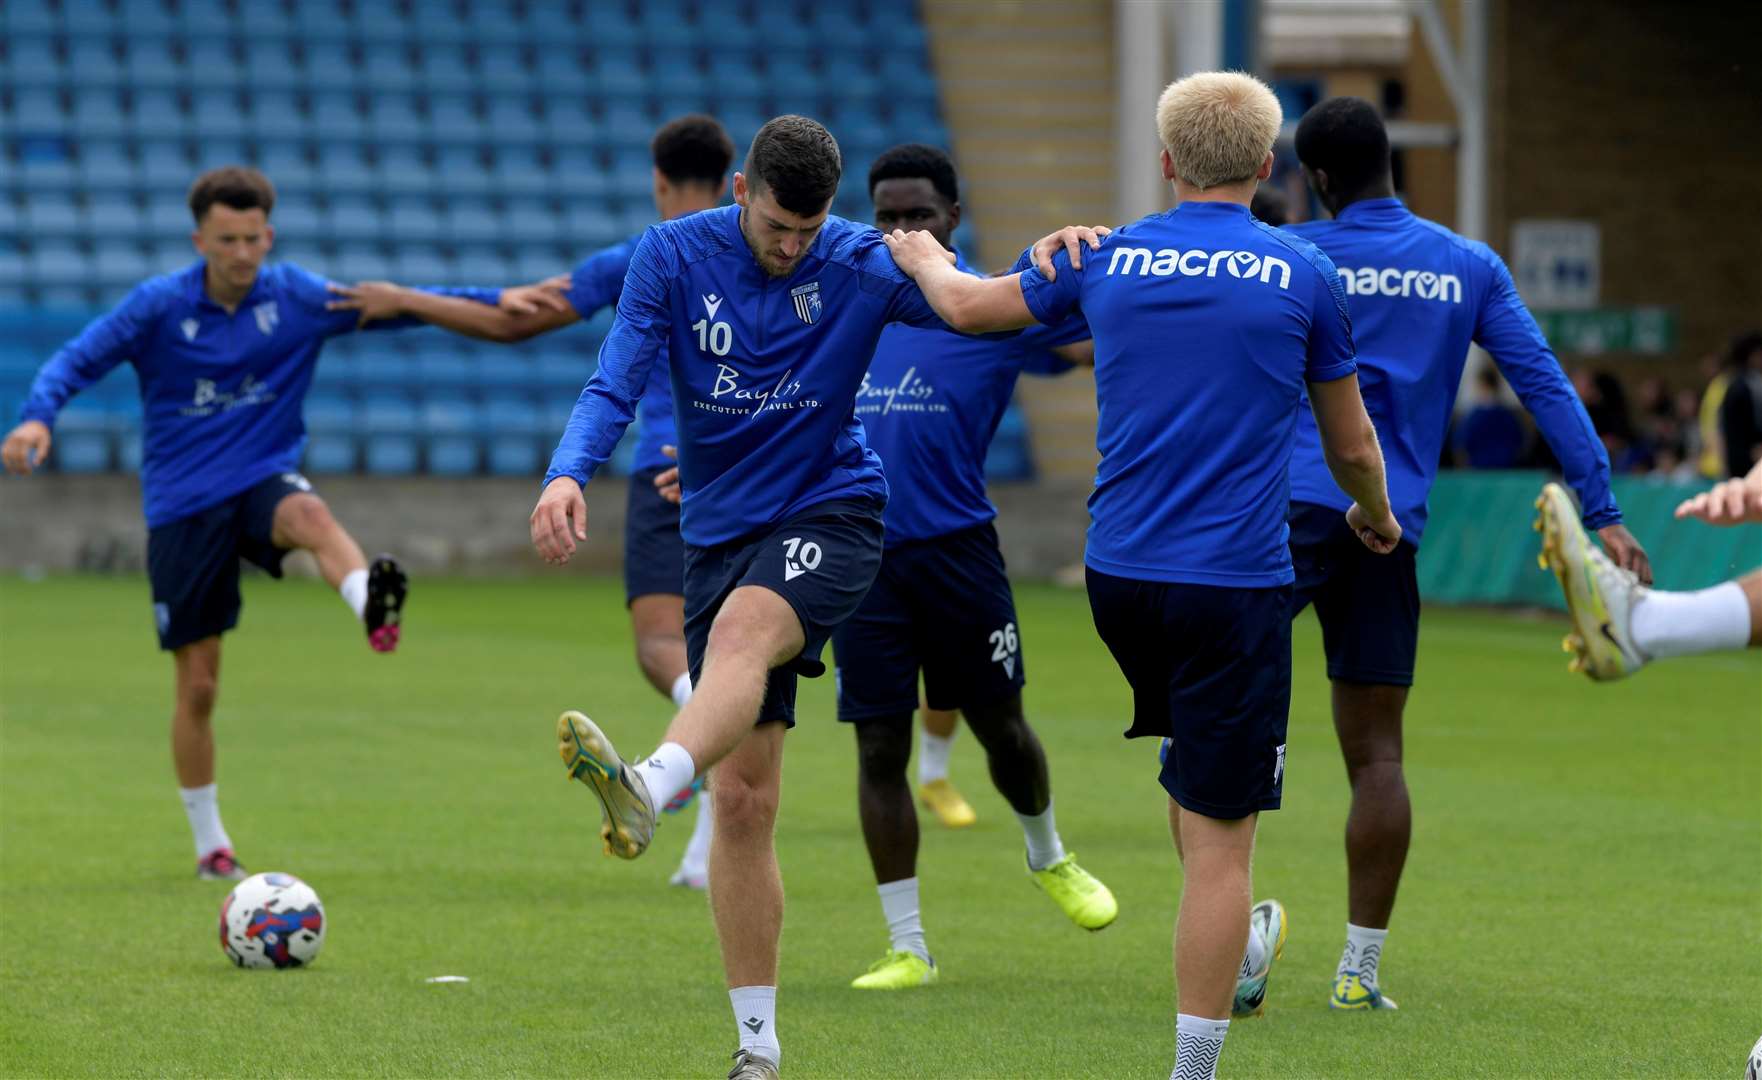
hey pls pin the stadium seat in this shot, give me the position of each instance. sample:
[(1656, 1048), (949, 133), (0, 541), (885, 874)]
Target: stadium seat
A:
[(620, 78), (393, 119), (45, 168), (332, 68), (335, 119), (355, 262), (563, 75), (331, 423), (199, 19), (60, 264), (120, 266), (213, 63), (152, 64), (217, 116), (297, 218), (33, 64), (343, 167), (29, 18), (287, 166), (403, 172), (608, 28), (52, 216), (271, 63), (113, 216), (514, 447), (84, 439), (168, 219), (452, 121), (387, 68), (96, 61), (383, 25), (486, 267), (451, 426), (589, 227), (320, 21), (353, 220), (276, 116), (390, 422), (106, 167), (157, 115), (511, 122), (518, 173), (97, 114), (501, 70), (36, 114)]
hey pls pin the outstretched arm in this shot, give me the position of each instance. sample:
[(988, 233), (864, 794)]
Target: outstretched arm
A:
[(106, 342), (1730, 502), (972, 305), (516, 315)]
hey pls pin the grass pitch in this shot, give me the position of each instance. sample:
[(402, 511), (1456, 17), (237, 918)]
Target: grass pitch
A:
[(1583, 897)]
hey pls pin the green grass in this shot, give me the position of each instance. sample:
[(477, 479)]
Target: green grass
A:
[(1583, 896)]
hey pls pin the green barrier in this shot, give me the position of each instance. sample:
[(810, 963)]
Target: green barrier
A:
[(1480, 549)]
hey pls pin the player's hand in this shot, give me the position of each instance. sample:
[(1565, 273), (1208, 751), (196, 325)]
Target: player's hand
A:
[(1380, 536), (1729, 502), (916, 251), (559, 520), (27, 446), (1626, 552), (1070, 239), (667, 480), (373, 299), (528, 299)]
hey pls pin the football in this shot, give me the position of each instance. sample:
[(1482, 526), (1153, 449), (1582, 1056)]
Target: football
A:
[(1753, 1067), (272, 921)]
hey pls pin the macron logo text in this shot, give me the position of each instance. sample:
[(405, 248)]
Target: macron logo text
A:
[(1372, 281), (1196, 263)]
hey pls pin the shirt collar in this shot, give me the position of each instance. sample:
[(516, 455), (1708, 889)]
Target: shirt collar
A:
[(1373, 209), (196, 286)]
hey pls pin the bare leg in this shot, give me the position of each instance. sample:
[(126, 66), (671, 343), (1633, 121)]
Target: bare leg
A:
[(939, 722), (1018, 764), (884, 798), (1211, 929), (1367, 719), (746, 889), (755, 631), (659, 622), (1751, 583), (303, 522), (192, 733)]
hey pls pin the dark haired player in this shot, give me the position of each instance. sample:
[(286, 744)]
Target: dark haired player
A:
[(1419, 295), (225, 352), (941, 603), (691, 158), (767, 313)]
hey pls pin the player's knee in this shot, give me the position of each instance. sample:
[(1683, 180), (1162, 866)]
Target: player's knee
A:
[(883, 750), (656, 655), (744, 809), (304, 519), (197, 694)]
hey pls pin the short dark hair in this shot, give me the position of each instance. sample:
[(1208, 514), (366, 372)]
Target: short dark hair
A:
[(1269, 206), (235, 186), (913, 161), (797, 160), (1345, 138), (693, 149)]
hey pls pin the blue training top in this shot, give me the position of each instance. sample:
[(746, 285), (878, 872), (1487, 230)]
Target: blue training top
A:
[(1207, 326), (765, 370), (930, 405), (220, 393), (595, 284), (1419, 294)]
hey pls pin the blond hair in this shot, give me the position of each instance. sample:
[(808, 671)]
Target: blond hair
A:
[(1217, 126)]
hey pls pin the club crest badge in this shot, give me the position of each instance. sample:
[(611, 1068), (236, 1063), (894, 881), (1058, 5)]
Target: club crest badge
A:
[(807, 302)]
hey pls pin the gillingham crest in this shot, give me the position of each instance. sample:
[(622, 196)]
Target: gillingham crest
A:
[(807, 302)]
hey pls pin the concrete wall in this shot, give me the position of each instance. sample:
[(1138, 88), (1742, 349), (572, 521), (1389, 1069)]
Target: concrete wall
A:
[(54, 523)]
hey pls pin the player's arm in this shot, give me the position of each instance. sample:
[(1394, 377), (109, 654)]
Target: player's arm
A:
[(1505, 329), (1730, 502), (1077, 353), (608, 401), (971, 305), (108, 341), (517, 314)]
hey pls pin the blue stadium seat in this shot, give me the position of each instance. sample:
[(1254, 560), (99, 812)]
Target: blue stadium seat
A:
[(531, 223), (511, 122), (212, 63), (9, 228), (404, 173), (271, 63), (141, 19), (504, 23), (452, 121), (331, 423), (518, 172), (412, 222), (620, 78), (675, 73), (570, 126), (909, 81), (359, 263), (441, 68), (442, 368), (287, 166), (382, 369), (320, 21), (59, 264), (501, 70), (36, 114), (563, 74), (14, 269), (626, 124), (726, 27), (609, 28), (168, 221), (580, 172), (121, 266), (217, 116), (206, 19), (276, 116), (97, 114), (33, 64), (113, 215), (45, 168), (157, 115), (589, 227), (353, 220), (390, 453), (297, 218), (151, 64), (52, 216), (332, 68), (343, 167), (29, 18), (469, 222), (383, 25), (393, 119), (451, 427), (94, 18), (514, 447), (83, 438), (388, 68), (836, 30), (96, 61), (335, 119), (847, 80)]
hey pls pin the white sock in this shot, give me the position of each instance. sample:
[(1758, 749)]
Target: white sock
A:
[(1198, 1041), (899, 906), (1044, 846), (682, 689), (1255, 956), (696, 860), (202, 807), (1685, 623), (755, 1015), (1364, 950), (354, 592), (667, 772), (933, 751)]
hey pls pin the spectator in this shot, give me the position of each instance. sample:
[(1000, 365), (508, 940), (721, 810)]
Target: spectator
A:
[(1740, 413), (1711, 464), (1490, 436)]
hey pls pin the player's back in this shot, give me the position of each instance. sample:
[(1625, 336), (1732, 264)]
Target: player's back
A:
[(1206, 326), (1416, 291)]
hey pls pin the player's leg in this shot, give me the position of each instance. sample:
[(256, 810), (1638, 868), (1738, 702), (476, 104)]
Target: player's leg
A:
[(935, 789), (1379, 828), (283, 514), (1211, 932), (746, 889), (890, 831), (192, 753)]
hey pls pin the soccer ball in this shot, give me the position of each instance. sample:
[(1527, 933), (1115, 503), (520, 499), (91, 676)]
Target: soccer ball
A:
[(1753, 1068), (272, 921)]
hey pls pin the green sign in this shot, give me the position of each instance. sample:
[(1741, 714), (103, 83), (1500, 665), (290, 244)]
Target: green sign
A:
[(1593, 331)]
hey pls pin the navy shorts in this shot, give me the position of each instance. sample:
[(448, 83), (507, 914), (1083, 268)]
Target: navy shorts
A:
[(193, 562), (654, 553), (821, 561), (1368, 604), (941, 606), (1210, 670)]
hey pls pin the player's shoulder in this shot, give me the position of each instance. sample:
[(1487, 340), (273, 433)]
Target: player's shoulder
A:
[(859, 247), (158, 293), (612, 257), (1305, 249), (694, 237)]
